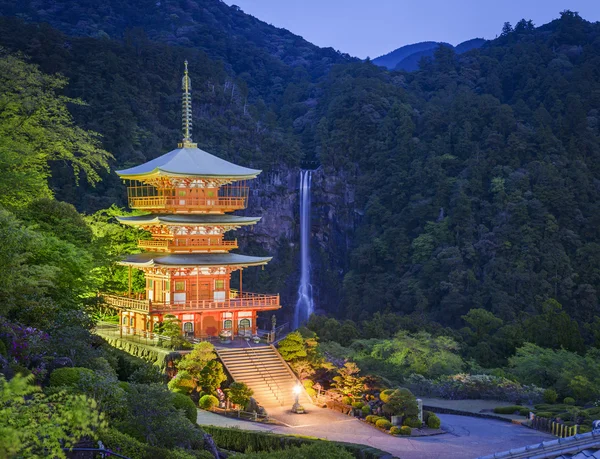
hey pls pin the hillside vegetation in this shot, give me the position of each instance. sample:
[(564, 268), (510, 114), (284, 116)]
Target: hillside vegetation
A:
[(476, 177)]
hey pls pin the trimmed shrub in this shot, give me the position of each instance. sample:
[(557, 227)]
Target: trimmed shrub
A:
[(183, 383), (406, 431), (346, 400), (550, 396), (433, 422), (357, 405), (135, 449), (383, 424), (524, 412), (253, 441), (511, 409), (569, 401), (412, 421), (308, 386), (372, 418), (366, 409), (69, 376), (384, 396), (208, 401), (544, 414), (426, 415), (183, 402), (395, 430)]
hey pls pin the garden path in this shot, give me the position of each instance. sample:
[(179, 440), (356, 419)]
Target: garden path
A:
[(466, 437)]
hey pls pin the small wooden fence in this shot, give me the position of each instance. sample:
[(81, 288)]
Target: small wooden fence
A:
[(233, 413), (553, 427)]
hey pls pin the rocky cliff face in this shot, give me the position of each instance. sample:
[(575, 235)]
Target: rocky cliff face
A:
[(275, 196)]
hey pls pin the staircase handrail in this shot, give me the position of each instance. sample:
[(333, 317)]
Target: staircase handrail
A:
[(290, 371), (282, 400)]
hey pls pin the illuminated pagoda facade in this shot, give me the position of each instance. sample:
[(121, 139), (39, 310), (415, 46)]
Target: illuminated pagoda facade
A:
[(188, 263)]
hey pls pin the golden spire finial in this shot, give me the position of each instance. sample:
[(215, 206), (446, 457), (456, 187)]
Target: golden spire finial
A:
[(186, 109)]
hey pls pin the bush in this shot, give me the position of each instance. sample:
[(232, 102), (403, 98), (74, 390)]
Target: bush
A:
[(550, 396), (366, 409), (208, 401), (147, 374), (373, 418), (246, 441), (239, 393), (135, 449), (69, 376), (412, 421), (384, 396), (383, 424), (569, 401), (308, 386), (182, 383), (511, 409), (357, 405), (544, 414), (406, 431), (426, 415), (346, 400), (306, 451), (401, 402), (465, 386), (395, 430), (433, 422), (524, 412), (183, 402)]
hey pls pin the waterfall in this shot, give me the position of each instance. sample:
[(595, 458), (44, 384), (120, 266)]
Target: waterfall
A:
[(304, 305)]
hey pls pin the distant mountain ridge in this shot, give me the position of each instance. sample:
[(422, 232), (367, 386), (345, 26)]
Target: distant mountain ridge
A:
[(407, 57)]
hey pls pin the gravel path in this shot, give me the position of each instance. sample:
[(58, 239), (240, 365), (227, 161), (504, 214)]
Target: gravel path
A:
[(466, 437)]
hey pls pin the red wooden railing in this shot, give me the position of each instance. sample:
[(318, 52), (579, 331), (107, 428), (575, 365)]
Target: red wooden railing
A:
[(175, 246), (246, 301)]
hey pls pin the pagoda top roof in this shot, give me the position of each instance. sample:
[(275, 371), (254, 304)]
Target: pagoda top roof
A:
[(189, 161), (188, 219), (141, 260)]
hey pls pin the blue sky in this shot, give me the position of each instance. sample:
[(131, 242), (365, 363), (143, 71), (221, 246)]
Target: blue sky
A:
[(374, 27)]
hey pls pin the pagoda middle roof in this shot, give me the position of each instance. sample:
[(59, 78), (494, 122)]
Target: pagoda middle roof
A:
[(193, 259), (189, 162), (189, 219)]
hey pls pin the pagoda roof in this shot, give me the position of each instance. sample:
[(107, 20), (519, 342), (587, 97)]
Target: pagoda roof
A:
[(189, 162), (193, 259), (188, 219)]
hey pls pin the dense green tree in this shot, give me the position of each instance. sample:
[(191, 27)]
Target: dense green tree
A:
[(239, 393), (35, 425), (292, 347), (36, 128)]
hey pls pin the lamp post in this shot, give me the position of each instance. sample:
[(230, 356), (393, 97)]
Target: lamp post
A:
[(297, 408)]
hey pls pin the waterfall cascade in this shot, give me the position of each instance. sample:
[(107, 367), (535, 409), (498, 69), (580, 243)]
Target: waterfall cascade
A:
[(305, 304)]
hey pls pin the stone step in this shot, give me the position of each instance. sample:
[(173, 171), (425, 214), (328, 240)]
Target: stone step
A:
[(264, 372)]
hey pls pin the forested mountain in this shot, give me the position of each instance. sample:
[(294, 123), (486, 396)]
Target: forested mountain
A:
[(266, 57), (391, 59), (474, 179), (478, 175), (408, 57), (133, 99)]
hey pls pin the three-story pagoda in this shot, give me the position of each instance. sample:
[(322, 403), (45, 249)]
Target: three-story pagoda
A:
[(187, 263)]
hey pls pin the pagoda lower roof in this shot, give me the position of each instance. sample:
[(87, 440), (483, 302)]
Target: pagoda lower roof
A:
[(189, 162), (193, 259), (188, 219)]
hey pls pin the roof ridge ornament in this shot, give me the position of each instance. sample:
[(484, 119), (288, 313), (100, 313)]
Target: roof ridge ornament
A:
[(186, 109)]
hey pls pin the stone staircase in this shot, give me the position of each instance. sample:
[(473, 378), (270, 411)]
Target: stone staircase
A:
[(265, 372)]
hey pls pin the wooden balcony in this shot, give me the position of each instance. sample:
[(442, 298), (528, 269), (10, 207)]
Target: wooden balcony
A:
[(206, 205), (123, 302), (227, 198), (246, 300), (175, 246)]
